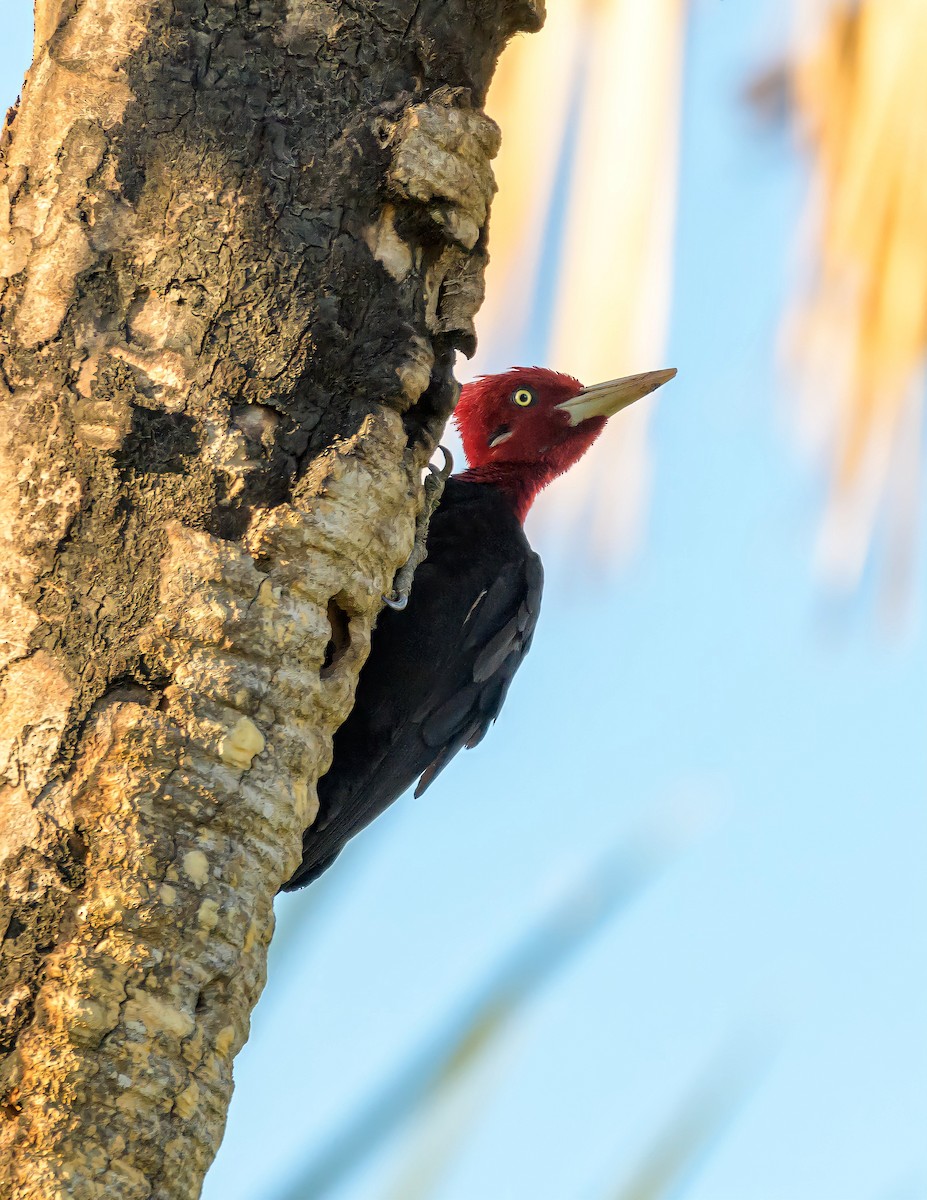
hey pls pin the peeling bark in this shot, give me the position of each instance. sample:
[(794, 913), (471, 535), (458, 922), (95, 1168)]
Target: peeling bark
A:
[(239, 246)]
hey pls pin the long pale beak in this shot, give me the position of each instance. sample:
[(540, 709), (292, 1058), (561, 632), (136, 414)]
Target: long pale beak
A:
[(605, 399)]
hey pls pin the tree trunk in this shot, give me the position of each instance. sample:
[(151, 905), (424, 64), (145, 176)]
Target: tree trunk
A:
[(239, 245)]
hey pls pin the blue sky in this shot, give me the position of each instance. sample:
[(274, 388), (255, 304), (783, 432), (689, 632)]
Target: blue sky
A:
[(710, 696)]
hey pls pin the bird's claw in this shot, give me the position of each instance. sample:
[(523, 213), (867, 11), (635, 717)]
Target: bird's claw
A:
[(443, 473), (433, 484)]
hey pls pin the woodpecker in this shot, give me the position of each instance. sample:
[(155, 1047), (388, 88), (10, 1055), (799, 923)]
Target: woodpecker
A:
[(439, 668)]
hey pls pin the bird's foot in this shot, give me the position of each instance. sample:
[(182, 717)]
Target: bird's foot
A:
[(434, 483)]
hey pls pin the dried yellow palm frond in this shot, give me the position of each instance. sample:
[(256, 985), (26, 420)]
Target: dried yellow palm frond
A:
[(859, 333), (613, 299), (590, 105), (530, 98)]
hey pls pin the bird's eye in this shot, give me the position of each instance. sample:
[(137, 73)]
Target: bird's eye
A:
[(523, 397)]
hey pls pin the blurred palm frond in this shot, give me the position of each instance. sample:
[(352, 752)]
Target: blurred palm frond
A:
[(858, 333), (586, 206), (699, 1125), (443, 1125), (449, 1057)]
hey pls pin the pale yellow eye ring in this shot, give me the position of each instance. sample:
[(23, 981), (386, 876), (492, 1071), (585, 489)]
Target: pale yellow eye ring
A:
[(523, 397)]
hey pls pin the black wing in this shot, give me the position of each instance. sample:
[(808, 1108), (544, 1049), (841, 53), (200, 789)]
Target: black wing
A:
[(438, 672)]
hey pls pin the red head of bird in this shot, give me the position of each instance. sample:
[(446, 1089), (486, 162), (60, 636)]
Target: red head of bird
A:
[(523, 428)]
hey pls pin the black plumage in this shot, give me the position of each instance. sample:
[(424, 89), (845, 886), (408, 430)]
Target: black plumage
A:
[(438, 672)]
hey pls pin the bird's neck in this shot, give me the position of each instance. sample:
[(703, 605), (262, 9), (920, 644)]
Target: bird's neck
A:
[(518, 482)]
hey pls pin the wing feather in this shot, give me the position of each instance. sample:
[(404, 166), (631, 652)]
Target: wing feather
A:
[(494, 668)]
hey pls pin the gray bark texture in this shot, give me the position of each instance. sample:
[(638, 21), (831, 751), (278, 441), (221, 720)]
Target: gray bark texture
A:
[(240, 242)]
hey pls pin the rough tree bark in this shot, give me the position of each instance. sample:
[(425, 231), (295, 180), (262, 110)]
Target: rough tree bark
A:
[(240, 241)]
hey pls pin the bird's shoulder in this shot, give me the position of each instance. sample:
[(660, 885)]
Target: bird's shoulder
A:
[(479, 579)]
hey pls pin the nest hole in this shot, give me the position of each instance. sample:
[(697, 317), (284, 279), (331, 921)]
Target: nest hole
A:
[(339, 622)]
